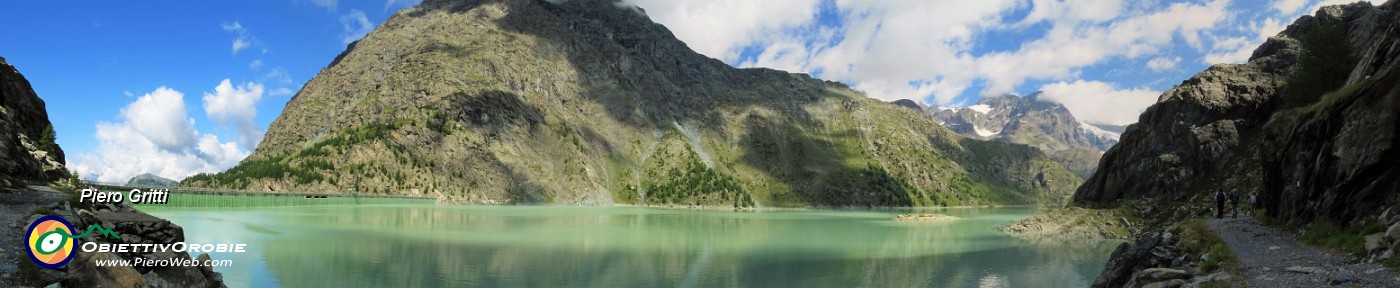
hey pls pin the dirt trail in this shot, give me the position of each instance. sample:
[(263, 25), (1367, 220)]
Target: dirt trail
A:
[(14, 209), (1272, 258)]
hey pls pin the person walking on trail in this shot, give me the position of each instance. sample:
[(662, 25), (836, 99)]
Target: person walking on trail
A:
[(1234, 204), (1253, 203), (1219, 203)]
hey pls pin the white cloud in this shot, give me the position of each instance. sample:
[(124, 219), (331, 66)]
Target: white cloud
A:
[(161, 117), (235, 107), (239, 44), (155, 135), (1238, 49), (1099, 102), (913, 49), (234, 27), (1163, 63), (720, 28), (356, 26), (255, 65), (242, 40), (1288, 6)]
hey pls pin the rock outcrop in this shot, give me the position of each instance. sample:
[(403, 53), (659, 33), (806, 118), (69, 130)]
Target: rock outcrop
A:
[(1029, 120), (27, 148), (589, 102)]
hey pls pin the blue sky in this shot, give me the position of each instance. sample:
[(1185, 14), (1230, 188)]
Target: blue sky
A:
[(124, 80)]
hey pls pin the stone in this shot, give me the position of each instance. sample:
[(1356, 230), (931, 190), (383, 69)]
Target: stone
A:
[(1219, 277), (1154, 275), (1301, 269), (1374, 243), (1374, 270), (1342, 278), (54, 285), (129, 238), (1173, 283)]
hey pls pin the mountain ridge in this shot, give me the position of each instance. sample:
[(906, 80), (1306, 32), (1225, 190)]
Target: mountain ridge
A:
[(584, 102)]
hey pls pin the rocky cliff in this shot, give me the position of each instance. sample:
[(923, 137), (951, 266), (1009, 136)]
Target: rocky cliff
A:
[(590, 102), (27, 148), (1315, 145), (1075, 144)]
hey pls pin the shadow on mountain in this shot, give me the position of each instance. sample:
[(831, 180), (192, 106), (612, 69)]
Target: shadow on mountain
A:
[(493, 110)]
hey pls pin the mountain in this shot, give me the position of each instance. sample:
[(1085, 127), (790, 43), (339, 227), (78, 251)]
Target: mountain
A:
[(146, 179), (1310, 123), (27, 147), (590, 102), (1029, 120)]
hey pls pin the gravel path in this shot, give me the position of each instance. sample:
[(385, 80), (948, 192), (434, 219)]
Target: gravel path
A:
[(14, 209), (1272, 258)]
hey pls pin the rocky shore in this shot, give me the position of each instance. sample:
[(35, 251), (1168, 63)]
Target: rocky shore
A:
[(130, 227), (1075, 223)]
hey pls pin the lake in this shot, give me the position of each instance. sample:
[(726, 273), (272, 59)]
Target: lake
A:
[(564, 246)]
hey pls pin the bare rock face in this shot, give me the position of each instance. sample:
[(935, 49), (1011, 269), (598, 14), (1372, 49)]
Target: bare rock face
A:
[(27, 148), (1333, 157), (1340, 159)]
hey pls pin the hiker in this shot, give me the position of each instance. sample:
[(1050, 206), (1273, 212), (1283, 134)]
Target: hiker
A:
[(1219, 203), (1253, 203), (1234, 204)]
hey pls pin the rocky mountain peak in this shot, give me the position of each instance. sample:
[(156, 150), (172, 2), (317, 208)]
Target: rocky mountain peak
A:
[(1033, 121)]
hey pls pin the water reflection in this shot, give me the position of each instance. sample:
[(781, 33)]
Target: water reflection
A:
[(436, 246)]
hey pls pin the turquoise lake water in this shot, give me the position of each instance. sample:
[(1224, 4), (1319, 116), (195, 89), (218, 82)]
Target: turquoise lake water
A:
[(563, 246)]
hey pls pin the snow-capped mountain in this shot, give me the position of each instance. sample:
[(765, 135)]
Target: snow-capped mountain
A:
[(1031, 121)]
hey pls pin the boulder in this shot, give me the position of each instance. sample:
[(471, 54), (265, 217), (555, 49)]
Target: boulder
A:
[(1126, 260), (1153, 275), (1375, 243), (1301, 269)]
